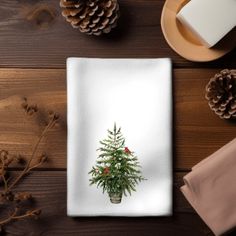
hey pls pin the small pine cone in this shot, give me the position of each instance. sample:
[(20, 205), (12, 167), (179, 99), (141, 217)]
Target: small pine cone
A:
[(92, 17), (221, 94)]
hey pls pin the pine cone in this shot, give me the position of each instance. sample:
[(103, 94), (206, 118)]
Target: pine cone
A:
[(221, 94), (91, 16)]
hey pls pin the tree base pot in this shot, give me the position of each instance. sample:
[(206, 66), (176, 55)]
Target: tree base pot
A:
[(115, 198)]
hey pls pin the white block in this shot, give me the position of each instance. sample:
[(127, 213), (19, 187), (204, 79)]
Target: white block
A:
[(209, 20)]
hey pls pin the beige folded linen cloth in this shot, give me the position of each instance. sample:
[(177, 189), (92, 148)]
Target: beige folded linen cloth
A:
[(211, 189)]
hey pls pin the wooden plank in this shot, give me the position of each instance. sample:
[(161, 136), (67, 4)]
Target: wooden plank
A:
[(34, 34), (49, 188), (19, 132), (198, 132)]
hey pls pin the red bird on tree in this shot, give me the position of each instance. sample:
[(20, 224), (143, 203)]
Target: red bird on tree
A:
[(127, 150)]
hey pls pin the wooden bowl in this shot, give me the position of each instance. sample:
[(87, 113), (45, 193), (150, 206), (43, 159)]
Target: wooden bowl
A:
[(182, 41)]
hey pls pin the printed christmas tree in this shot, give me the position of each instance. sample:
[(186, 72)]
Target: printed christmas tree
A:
[(117, 170)]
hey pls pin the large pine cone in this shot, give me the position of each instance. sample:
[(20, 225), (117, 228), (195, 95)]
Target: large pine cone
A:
[(91, 16), (221, 94)]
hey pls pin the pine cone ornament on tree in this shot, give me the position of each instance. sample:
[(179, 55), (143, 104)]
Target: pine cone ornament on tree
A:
[(221, 94), (92, 17)]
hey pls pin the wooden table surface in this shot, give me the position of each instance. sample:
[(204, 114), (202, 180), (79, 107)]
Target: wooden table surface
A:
[(34, 44)]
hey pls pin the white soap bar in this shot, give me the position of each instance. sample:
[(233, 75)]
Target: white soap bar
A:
[(209, 20)]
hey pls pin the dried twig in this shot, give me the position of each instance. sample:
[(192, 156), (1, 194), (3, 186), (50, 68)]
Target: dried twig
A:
[(8, 195)]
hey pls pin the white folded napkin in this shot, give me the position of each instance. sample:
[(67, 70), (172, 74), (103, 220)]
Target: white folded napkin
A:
[(136, 94)]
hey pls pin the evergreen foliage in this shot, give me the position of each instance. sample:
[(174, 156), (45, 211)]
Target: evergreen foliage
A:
[(117, 170)]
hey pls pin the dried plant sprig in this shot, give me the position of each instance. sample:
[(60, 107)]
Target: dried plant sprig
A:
[(53, 119), (15, 216), (8, 195), (30, 109)]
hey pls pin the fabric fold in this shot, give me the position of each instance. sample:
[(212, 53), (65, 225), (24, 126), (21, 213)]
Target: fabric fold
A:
[(210, 188)]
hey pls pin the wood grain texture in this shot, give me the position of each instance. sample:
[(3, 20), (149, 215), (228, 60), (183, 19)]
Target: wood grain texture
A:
[(198, 132), (49, 188), (34, 34)]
